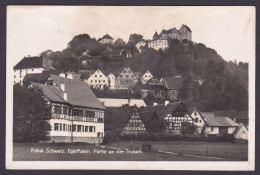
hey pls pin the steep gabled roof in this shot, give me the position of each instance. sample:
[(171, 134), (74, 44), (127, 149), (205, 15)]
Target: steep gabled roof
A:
[(105, 37), (40, 77), (34, 62), (162, 110), (240, 125), (78, 92), (173, 83), (147, 117)]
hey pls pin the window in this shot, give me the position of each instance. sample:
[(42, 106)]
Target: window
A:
[(65, 110), (200, 121), (56, 126), (103, 81), (14, 76), (91, 81), (60, 126), (95, 75), (32, 69), (73, 128), (212, 129), (99, 81), (91, 129), (64, 127), (79, 128), (86, 128), (196, 120), (69, 127), (95, 81), (26, 70), (100, 76)]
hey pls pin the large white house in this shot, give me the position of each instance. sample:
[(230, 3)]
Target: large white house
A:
[(31, 65), (76, 113), (98, 80)]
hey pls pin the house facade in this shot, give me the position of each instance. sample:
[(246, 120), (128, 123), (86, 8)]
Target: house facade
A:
[(146, 77), (117, 102), (157, 44), (241, 133), (140, 44), (135, 124), (98, 80), (76, 116), (218, 125), (126, 79), (173, 116), (162, 40), (31, 65), (173, 87), (197, 118), (106, 39), (112, 81)]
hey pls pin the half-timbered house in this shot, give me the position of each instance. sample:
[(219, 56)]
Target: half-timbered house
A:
[(126, 79), (76, 113), (135, 124), (173, 116)]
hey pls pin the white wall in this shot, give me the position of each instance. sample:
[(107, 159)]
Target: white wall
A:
[(98, 80), (215, 130), (19, 74)]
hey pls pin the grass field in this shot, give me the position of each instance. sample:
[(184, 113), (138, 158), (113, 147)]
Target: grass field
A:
[(53, 151)]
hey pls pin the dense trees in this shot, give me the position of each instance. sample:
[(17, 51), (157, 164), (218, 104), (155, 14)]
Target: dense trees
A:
[(30, 115), (224, 81)]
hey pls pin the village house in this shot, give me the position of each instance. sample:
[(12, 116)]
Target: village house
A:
[(173, 116), (98, 80), (31, 65), (241, 133), (126, 79), (112, 81), (146, 77), (217, 125), (140, 44), (197, 118), (117, 102), (40, 77), (106, 39), (173, 87), (76, 113), (155, 88), (134, 124)]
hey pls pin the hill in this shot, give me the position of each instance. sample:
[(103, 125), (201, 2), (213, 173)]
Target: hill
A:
[(225, 85)]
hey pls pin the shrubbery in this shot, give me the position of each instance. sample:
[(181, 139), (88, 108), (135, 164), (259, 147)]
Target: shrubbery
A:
[(156, 137)]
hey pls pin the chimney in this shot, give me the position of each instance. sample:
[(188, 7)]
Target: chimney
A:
[(166, 103), (65, 96), (62, 87), (234, 119), (155, 104)]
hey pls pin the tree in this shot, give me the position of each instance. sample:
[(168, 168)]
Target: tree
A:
[(31, 114)]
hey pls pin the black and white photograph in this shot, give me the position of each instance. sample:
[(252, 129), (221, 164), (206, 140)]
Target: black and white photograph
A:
[(130, 87)]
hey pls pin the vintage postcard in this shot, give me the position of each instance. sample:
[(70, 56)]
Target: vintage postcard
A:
[(130, 87)]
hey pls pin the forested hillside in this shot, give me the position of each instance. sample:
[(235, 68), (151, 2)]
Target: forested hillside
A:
[(225, 83)]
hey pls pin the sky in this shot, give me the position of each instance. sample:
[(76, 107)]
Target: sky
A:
[(34, 29)]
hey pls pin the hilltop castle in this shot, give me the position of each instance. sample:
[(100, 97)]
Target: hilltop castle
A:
[(162, 40)]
